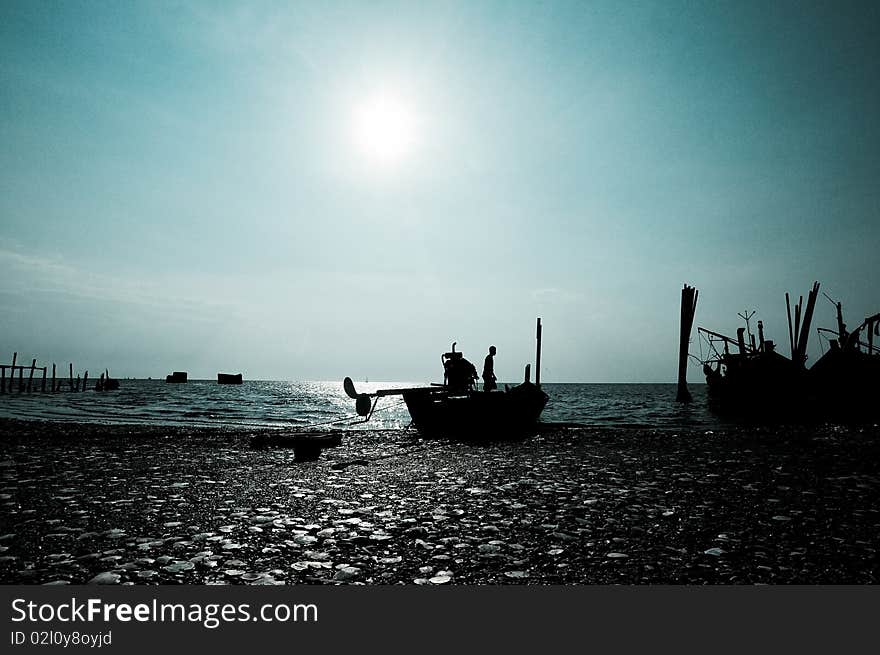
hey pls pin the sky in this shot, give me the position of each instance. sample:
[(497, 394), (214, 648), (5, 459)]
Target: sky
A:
[(309, 191)]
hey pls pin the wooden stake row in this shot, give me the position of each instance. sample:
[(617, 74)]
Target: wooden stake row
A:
[(56, 385)]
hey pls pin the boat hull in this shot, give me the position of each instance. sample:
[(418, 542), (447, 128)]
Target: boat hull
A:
[(840, 386), (476, 414)]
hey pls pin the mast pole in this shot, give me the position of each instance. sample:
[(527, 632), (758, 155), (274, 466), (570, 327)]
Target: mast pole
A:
[(538, 357), (790, 334)]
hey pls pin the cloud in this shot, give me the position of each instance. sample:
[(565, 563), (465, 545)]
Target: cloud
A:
[(29, 274)]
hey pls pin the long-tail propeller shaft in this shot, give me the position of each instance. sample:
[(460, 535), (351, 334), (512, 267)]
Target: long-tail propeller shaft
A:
[(362, 404)]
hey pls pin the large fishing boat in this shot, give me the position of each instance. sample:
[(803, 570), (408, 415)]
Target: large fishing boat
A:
[(458, 409), (749, 377)]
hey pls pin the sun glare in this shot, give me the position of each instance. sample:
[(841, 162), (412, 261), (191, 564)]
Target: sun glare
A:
[(385, 128)]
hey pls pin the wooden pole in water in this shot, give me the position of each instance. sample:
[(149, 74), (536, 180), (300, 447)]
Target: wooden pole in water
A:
[(85, 380), (20, 379), (31, 376), (688, 310), (53, 378), (43, 386), (78, 380), (70, 379), (538, 357), (2, 379)]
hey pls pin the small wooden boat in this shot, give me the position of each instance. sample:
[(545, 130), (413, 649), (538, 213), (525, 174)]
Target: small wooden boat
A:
[(846, 378), (457, 409), (176, 377), (229, 378)]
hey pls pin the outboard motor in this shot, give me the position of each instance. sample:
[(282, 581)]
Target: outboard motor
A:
[(458, 373)]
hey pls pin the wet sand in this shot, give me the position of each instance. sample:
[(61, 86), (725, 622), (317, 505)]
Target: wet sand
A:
[(160, 505)]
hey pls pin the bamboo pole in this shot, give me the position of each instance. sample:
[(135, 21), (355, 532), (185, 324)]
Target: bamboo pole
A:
[(538, 357), (807, 319), (790, 334), (31, 376)]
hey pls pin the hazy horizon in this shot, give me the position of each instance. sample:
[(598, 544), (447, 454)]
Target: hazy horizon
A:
[(362, 383), (310, 191)]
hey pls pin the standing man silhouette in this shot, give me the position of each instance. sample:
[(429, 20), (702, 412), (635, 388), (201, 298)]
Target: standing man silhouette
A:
[(489, 371)]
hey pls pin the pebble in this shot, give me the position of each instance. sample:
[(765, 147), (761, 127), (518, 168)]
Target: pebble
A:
[(106, 577), (347, 573), (547, 509)]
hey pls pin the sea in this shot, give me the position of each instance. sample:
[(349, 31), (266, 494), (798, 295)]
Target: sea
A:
[(324, 405)]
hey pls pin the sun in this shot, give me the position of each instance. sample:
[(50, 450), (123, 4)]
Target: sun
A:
[(385, 128)]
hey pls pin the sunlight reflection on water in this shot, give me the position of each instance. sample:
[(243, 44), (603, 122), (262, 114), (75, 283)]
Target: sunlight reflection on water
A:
[(324, 404)]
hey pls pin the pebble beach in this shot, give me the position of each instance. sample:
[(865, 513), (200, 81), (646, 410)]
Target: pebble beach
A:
[(117, 504)]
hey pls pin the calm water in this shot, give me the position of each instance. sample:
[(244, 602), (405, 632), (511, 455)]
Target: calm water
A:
[(325, 405)]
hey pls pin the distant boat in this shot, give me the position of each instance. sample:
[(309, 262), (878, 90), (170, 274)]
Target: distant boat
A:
[(177, 376), (457, 409), (229, 378)]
